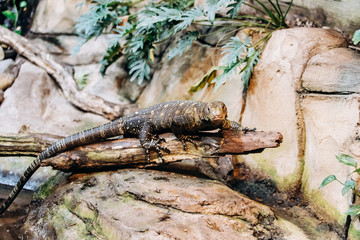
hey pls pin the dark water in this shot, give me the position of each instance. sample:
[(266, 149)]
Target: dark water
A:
[(12, 220)]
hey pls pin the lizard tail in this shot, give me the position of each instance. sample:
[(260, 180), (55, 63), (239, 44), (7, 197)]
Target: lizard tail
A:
[(111, 129), (20, 184)]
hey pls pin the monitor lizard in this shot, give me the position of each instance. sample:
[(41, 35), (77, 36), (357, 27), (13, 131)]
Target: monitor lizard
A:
[(183, 118)]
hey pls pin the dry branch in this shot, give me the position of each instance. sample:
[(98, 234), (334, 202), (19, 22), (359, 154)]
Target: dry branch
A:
[(80, 99), (128, 151)]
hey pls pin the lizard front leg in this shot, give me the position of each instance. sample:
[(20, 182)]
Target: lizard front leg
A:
[(149, 141)]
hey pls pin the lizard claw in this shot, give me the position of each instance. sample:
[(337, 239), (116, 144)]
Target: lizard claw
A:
[(187, 138), (154, 144), (246, 129)]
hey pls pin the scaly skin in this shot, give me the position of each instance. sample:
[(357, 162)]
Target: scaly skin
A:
[(183, 118)]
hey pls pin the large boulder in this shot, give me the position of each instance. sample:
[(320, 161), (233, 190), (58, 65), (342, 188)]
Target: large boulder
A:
[(147, 204)]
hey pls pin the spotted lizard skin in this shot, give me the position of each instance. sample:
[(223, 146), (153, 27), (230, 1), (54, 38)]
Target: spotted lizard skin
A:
[(183, 118)]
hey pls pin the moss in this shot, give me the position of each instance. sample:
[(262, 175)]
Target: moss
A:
[(75, 227), (325, 208), (48, 187), (283, 183), (354, 233)]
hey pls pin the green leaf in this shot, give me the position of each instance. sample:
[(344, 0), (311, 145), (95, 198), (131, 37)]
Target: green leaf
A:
[(252, 58), (228, 73), (207, 78), (23, 4), (356, 37), (183, 44), (9, 14), (347, 160), (212, 6), (354, 210), (233, 50), (327, 180), (349, 184), (235, 8), (139, 70), (188, 17), (149, 17)]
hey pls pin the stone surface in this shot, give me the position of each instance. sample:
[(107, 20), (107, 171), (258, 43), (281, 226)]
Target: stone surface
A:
[(146, 204), (35, 103), (333, 71), (273, 103), (338, 14), (330, 125), (57, 16), (6, 76), (62, 48)]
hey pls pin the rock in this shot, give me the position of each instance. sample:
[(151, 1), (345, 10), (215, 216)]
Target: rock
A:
[(147, 204), (330, 130), (56, 17), (333, 71), (114, 86), (2, 54), (35, 101), (6, 76), (273, 102), (63, 47)]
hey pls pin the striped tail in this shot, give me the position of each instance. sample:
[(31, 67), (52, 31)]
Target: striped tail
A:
[(111, 129)]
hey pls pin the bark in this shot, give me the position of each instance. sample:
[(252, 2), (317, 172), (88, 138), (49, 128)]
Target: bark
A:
[(122, 152), (64, 79)]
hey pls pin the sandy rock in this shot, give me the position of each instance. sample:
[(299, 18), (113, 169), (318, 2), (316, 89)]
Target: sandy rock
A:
[(57, 16), (273, 103), (114, 86), (333, 71), (330, 130), (6, 77), (35, 102), (145, 204), (63, 47)]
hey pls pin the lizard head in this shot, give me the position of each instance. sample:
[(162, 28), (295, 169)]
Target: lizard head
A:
[(214, 113)]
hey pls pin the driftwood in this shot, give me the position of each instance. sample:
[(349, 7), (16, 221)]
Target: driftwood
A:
[(128, 151), (64, 79)]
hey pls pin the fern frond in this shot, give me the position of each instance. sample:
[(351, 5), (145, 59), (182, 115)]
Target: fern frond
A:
[(151, 16), (252, 58), (188, 17), (235, 7), (212, 6), (183, 44), (233, 50)]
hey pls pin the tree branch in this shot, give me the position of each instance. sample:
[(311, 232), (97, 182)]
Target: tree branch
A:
[(80, 99), (128, 151)]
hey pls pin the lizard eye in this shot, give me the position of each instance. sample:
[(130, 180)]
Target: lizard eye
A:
[(207, 110)]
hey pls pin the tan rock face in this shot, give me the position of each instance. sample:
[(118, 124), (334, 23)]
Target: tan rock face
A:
[(273, 103), (57, 16), (330, 129), (336, 71), (140, 204)]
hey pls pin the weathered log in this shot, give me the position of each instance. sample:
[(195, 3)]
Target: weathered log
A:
[(123, 152), (25, 144), (64, 79), (128, 151)]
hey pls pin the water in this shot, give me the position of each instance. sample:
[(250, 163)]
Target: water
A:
[(12, 220)]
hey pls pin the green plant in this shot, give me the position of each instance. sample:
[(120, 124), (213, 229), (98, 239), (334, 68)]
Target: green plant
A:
[(136, 35), (356, 37), (13, 15), (348, 184)]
